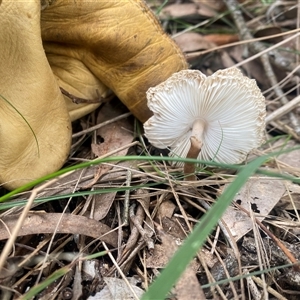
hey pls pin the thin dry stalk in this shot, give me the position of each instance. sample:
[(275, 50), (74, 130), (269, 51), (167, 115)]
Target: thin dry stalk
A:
[(269, 289), (120, 272), (93, 128), (286, 108), (9, 244), (286, 251), (247, 41)]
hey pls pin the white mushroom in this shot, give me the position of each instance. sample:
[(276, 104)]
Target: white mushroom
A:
[(222, 114)]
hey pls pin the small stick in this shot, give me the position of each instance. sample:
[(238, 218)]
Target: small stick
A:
[(136, 222), (286, 108), (133, 296), (90, 129), (126, 199)]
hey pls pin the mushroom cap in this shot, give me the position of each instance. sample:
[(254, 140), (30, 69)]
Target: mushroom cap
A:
[(230, 105)]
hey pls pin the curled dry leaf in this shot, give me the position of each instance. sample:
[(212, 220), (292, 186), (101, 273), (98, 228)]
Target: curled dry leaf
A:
[(38, 223), (259, 194), (193, 44)]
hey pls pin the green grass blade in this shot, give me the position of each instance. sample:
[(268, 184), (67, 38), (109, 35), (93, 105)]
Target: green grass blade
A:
[(22, 202), (170, 275), (147, 158), (247, 275), (159, 9), (41, 286), (33, 183)]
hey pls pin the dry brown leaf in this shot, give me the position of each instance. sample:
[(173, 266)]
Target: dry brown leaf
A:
[(262, 194), (166, 209), (293, 195), (114, 135), (221, 39), (253, 69), (191, 41), (267, 31), (66, 184), (159, 257), (178, 10), (117, 289), (103, 202), (102, 205), (216, 5), (291, 158), (163, 252), (171, 226), (208, 257), (188, 286), (38, 223), (197, 9)]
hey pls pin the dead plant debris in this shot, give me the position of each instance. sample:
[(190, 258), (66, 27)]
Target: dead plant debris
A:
[(87, 211)]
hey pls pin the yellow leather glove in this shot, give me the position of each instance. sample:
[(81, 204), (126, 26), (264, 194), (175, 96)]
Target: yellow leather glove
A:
[(93, 47), (116, 43), (28, 91)]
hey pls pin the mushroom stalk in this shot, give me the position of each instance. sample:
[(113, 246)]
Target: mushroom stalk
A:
[(195, 148)]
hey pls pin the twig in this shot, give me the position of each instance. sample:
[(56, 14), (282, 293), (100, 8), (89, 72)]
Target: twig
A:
[(278, 91), (141, 230), (256, 47), (101, 125), (283, 110), (126, 198), (256, 294), (120, 272), (134, 235), (129, 258), (285, 128), (269, 288)]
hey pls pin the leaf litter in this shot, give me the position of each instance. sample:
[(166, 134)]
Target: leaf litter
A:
[(161, 216)]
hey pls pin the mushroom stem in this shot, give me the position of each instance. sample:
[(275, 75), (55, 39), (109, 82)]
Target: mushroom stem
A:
[(196, 144)]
